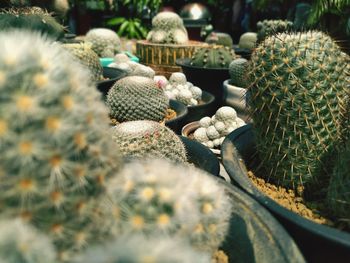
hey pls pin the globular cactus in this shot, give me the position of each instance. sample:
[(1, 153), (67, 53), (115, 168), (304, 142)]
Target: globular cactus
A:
[(56, 151), (148, 139), (298, 91), (137, 248), (30, 18), (22, 243), (248, 40), (158, 197), (219, 38), (88, 58), (60, 7), (238, 70), (105, 42), (167, 28), (137, 98), (268, 28), (213, 57)]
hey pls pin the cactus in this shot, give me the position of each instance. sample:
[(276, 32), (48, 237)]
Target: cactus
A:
[(219, 38), (137, 98), (248, 40), (297, 96), (156, 196), (212, 57), (138, 248), (105, 42), (30, 18), (88, 58), (167, 28), (54, 141), (21, 243), (238, 70), (271, 27), (147, 139)]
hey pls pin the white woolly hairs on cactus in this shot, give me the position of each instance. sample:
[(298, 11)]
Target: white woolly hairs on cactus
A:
[(21, 243), (139, 249)]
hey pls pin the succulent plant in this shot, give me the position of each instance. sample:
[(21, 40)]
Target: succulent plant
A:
[(298, 91), (213, 57), (248, 40), (137, 98), (148, 139), (167, 28), (238, 70), (158, 197), (88, 58), (54, 141), (271, 27), (219, 38), (30, 18), (22, 243), (105, 42), (138, 248)]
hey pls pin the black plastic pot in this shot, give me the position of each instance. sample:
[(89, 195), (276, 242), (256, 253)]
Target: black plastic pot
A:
[(181, 112), (254, 235), (243, 52), (112, 75), (201, 157), (208, 79), (317, 242)]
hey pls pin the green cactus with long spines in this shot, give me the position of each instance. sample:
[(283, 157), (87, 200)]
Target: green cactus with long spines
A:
[(268, 28), (238, 70), (219, 38), (22, 243), (88, 58), (137, 98), (147, 139), (213, 57), (298, 94), (105, 42), (54, 140), (158, 197), (167, 28), (30, 18)]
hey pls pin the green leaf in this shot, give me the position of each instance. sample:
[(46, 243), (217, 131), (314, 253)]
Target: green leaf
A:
[(116, 21)]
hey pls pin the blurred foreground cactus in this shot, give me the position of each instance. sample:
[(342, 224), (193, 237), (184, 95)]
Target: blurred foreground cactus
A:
[(213, 57), (105, 42)]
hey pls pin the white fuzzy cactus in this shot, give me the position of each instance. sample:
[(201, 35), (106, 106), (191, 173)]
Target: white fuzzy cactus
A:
[(123, 62), (212, 130)]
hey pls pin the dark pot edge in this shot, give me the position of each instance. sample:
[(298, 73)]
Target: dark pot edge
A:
[(184, 62)]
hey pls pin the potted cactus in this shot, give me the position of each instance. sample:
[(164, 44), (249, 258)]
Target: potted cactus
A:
[(105, 42), (246, 44)]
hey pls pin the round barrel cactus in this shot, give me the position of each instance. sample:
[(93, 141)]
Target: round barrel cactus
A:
[(105, 42), (213, 56), (271, 27), (219, 38), (238, 70)]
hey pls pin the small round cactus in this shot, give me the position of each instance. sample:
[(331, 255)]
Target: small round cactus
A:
[(219, 38), (248, 40), (167, 28), (105, 42), (156, 196), (148, 139), (137, 98), (122, 61), (22, 243), (268, 28), (238, 70), (213, 57)]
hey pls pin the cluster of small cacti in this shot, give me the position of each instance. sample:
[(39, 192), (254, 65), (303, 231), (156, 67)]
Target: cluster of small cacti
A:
[(55, 149), (298, 90), (268, 28), (219, 38), (137, 98), (167, 28), (105, 42), (238, 70), (156, 197), (248, 40), (177, 88), (88, 58), (122, 61), (148, 139), (30, 18), (212, 130), (60, 7), (213, 56)]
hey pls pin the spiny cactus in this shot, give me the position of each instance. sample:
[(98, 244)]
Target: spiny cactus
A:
[(137, 98), (219, 38), (156, 196), (54, 141), (105, 42), (138, 248), (148, 139), (88, 58), (268, 28), (30, 18), (21, 243), (213, 57), (297, 96), (167, 28), (248, 40), (238, 70)]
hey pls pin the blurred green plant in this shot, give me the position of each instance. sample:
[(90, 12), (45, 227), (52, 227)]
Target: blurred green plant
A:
[(322, 7), (129, 27)]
